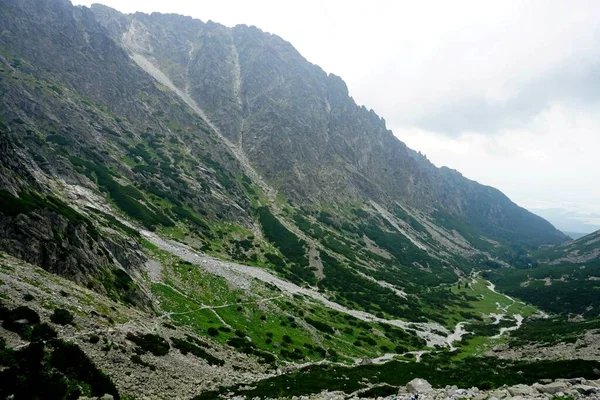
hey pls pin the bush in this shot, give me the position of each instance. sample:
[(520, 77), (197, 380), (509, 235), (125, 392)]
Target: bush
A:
[(12, 320), (42, 332), (62, 317), (150, 342), (186, 347), (212, 331), (322, 326), (136, 359)]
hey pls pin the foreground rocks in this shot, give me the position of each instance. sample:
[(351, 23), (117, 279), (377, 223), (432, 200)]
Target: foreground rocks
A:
[(577, 388)]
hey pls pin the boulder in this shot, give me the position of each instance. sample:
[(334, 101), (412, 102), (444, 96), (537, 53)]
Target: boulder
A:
[(552, 388), (418, 385), (586, 390), (521, 390), (500, 394)]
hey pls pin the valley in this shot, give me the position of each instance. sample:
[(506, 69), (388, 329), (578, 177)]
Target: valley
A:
[(189, 210)]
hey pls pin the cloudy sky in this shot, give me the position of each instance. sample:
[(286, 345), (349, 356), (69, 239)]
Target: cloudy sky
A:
[(506, 92)]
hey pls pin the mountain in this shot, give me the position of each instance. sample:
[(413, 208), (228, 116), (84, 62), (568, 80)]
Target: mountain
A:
[(183, 199), (299, 128)]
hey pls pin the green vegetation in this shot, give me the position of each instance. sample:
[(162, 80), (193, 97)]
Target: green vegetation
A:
[(150, 342), (47, 367), (61, 316), (565, 288), (136, 359), (128, 198), (187, 347), (482, 372), (551, 331), (28, 201), (290, 246)]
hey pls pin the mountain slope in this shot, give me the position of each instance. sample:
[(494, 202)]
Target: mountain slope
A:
[(300, 128), (561, 279)]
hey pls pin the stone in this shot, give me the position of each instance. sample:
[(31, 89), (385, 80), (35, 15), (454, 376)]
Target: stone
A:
[(500, 394), (586, 390), (521, 390), (552, 388), (418, 385)]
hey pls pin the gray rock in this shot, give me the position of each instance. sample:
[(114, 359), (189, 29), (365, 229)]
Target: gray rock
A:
[(500, 394), (418, 385), (552, 388), (586, 390), (521, 390)]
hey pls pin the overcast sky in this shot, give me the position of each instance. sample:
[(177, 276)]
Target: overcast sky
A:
[(506, 92)]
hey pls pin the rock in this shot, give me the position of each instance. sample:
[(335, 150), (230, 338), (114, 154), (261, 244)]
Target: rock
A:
[(552, 388), (586, 390), (418, 385), (500, 394), (107, 397), (521, 390), (575, 381), (481, 396)]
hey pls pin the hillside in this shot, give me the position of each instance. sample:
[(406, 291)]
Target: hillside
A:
[(560, 279), (208, 200)]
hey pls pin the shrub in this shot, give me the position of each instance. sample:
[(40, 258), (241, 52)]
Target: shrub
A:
[(186, 347), (322, 326), (150, 342), (42, 332), (12, 320), (62, 317), (136, 359), (212, 331)]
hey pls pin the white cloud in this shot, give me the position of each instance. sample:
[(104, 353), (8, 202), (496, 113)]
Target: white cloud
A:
[(550, 163)]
